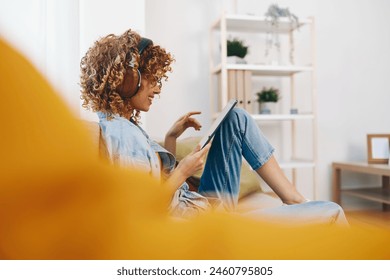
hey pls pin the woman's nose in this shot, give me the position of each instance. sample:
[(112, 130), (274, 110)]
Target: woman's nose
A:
[(157, 89)]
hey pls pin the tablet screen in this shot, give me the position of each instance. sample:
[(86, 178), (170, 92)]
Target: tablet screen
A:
[(221, 116)]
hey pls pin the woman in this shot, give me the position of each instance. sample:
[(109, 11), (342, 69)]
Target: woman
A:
[(121, 75)]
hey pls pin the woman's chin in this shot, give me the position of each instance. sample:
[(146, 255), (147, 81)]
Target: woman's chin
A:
[(145, 109)]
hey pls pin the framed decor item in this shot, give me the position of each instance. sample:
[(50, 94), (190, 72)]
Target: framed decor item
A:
[(378, 146)]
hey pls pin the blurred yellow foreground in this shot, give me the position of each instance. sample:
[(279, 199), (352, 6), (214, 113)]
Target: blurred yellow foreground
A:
[(59, 201)]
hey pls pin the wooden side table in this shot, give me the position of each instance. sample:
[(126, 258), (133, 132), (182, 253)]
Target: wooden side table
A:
[(379, 194)]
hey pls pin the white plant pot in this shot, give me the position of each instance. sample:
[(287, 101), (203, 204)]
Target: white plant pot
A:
[(267, 107), (235, 60)]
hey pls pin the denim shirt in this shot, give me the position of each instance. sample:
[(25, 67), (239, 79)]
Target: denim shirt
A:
[(129, 145)]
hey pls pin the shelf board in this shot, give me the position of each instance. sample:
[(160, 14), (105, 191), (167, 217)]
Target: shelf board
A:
[(377, 194), (251, 23), (266, 70), (280, 117), (296, 164)]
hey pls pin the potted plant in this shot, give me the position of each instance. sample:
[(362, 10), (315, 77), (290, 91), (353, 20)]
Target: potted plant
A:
[(267, 96), (236, 51)]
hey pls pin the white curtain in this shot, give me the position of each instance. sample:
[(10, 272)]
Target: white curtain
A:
[(55, 34)]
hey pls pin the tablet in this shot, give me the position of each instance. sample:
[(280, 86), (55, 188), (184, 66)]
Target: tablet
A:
[(221, 116)]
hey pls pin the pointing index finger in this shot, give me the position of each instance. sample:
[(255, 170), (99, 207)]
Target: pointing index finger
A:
[(189, 114)]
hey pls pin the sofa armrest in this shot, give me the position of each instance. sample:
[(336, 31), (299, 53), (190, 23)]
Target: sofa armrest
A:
[(97, 138)]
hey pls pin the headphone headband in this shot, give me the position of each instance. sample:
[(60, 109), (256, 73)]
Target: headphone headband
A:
[(143, 44)]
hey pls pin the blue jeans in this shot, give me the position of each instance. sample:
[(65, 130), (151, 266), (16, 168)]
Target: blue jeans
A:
[(237, 137)]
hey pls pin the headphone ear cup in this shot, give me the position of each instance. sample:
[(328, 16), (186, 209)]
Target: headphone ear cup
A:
[(129, 84)]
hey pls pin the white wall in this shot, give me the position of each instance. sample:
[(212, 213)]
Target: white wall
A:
[(353, 58), (353, 72), (353, 63)]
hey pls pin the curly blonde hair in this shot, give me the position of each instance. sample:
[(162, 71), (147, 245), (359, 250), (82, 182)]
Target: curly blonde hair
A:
[(104, 66)]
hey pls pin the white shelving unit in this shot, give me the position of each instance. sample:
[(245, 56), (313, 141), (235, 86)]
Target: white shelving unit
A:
[(219, 67), (264, 70)]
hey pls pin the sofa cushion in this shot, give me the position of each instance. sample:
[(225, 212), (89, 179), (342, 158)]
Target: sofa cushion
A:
[(250, 182), (256, 201)]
